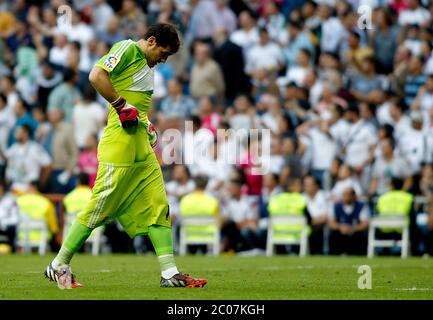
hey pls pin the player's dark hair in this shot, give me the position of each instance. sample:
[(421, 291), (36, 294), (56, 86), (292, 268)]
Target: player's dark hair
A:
[(165, 34), (83, 178)]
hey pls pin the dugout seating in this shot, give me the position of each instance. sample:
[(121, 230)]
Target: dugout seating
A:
[(199, 230), (287, 230)]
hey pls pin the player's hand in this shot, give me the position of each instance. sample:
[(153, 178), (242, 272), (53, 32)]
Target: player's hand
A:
[(152, 134), (128, 115)]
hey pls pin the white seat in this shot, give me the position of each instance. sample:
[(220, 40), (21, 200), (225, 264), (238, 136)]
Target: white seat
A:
[(188, 237), (289, 220), (388, 221), (96, 239), (28, 225)]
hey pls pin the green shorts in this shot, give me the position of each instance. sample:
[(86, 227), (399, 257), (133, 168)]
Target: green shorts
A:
[(134, 194)]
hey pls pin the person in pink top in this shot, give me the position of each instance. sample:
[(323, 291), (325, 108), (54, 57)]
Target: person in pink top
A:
[(209, 118), (88, 159)]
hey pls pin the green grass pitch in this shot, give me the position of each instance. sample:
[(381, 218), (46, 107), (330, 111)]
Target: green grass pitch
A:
[(280, 278)]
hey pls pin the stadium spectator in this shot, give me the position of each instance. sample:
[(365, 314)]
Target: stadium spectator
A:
[(9, 218), (22, 116), (60, 144), (387, 166), (175, 107), (27, 161), (413, 145), (198, 202), (247, 35), (77, 199), (112, 33), (88, 117), (397, 201), (414, 14), (321, 144), (318, 209), (66, 94), (206, 77), (239, 220), (102, 12), (180, 185), (33, 204), (414, 79), (88, 159), (230, 58), (384, 40), (346, 179), (48, 78), (266, 54), (348, 224), (271, 187), (290, 202)]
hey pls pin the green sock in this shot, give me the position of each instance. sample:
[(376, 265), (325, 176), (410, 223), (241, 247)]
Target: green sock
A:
[(76, 237), (163, 243)]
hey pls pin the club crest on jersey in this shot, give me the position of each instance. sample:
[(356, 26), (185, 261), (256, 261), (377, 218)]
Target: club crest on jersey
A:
[(111, 62)]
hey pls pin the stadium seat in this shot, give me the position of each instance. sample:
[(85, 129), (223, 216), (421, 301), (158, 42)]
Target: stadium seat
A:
[(388, 221), (32, 233), (199, 230), (96, 238), (287, 230)]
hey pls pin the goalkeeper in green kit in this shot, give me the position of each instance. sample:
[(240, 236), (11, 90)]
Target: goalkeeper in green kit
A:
[(129, 184)]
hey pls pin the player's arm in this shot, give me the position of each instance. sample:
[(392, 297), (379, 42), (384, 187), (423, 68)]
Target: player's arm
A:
[(100, 80)]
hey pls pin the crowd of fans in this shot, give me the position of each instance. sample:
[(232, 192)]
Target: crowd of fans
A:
[(347, 96)]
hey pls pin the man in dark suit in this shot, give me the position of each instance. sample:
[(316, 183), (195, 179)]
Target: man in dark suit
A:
[(230, 58)]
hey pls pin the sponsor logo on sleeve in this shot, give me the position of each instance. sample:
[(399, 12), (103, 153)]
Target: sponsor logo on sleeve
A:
[(111, 62)]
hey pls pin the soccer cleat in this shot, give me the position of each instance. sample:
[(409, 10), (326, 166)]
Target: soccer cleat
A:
[(182, 280), (63, 277)]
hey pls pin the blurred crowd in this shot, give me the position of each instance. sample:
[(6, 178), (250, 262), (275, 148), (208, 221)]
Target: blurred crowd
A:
[(347, 95)]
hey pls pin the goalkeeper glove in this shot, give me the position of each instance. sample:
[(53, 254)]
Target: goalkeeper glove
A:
[(152, 134), (128, 115)]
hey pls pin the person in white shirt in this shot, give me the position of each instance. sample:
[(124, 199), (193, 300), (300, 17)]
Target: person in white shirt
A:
[(248, 35), (413, 145), (317, 205), (58, 54), (387, 167), (239, 220), (88, 117), (178, 186), (400, 121), (323, 148), (269, 119), (424, 100), (264, 55), (27, 161), (359, 144), (345, 180), (332, 29), (9, 217), (414, 14), (101, 14)]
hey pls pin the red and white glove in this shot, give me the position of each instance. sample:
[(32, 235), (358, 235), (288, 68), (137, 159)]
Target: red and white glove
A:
[(128, 114), (152, 134)]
